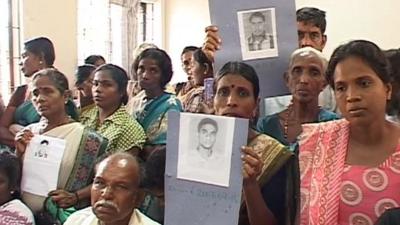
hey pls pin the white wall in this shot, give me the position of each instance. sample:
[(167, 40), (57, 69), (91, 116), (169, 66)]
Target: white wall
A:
[(57, 20), (377, 21), (374, 20), (185, 22)]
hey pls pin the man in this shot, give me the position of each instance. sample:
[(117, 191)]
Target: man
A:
[(207, 132), (259, 38), (311, 25), (113, 194)]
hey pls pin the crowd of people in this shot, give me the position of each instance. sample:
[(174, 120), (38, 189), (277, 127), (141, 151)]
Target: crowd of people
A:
[(303, 165)]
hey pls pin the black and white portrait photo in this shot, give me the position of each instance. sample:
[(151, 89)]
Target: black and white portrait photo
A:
[(205, 148), (257, 31)]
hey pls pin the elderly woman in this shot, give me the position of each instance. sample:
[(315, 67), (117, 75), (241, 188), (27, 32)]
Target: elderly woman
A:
[(38, 54), (12, 210), (201, 68), (83, 147), (154, 70), (305, 80), (350, 168), (110, 118), (270, 171)]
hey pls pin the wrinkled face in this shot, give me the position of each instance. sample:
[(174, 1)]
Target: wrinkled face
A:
[(207, 136), (149, 74), (360, 93), (186, 60), (310, 35), (305, 78), (235, 97), (257, 26), (5, 190), (197, 72), (114, 190), (46, 98), (30, 63), (85, 88), (105, 90)]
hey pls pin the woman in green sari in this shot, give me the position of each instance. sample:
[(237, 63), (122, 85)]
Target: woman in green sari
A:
[(82, 148), (154, 70), (38, 54), (270, 171)]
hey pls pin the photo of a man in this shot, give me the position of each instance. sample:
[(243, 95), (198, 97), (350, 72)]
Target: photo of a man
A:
[(207, 132), (205, 149), (257, 31), (259, 38), (42, 150)]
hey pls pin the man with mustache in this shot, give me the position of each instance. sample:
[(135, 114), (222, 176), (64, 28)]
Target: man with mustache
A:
[(113, 194)]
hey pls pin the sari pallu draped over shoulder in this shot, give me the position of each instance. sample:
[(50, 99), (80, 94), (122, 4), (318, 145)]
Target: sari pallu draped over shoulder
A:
[(322, 156), (276, 157)]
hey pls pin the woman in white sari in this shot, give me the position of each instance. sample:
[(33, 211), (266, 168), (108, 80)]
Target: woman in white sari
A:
[(50, 95)]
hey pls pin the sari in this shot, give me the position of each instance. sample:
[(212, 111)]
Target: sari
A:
[(194, 97), (322, 156), (152, 115), (77, 165), (279, 180), (328, 193)]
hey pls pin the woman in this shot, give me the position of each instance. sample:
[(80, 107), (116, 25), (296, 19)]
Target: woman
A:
[(305, 80), (201, 68), (38, 54), (270, 171), (182, 88), (83, 147), (84, 78), (12, 210), (154, 70), (350, 168), (109, 118)]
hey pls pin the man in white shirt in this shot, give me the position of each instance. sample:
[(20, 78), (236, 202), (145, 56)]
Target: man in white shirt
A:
[(113, 195)]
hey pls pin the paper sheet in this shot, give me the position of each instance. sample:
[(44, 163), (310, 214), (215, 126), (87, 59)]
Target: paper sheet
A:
[(41, 165)]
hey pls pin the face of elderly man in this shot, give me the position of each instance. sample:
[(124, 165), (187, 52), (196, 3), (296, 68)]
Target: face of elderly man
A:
[(114, 189)]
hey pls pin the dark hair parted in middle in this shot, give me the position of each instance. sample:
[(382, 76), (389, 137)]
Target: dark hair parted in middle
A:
[(240, 69), (367, 51), (41, 47), (120, 77), (163, 62), (60, 81)]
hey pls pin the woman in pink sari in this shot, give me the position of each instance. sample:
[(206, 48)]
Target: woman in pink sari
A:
[(350, 168)]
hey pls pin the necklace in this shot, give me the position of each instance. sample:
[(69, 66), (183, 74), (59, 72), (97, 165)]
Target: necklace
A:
[(286, 121)]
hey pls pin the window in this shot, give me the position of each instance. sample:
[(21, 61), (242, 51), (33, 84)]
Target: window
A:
[(150, 22), (10, 75)]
